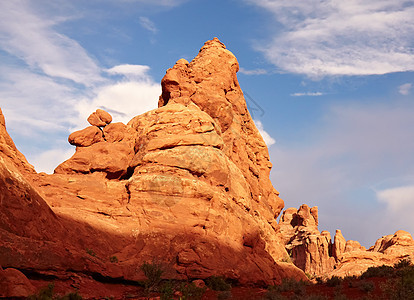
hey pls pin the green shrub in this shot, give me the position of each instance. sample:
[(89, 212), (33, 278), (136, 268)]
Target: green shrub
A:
[(381, 271), (340, 296), (153, 271), (218, 284), (191, 292), (90, 252), (113, 259), (366, 286), (319, 280), (274, 294), (223, 295), (403, 263), (44, 294), (334, 281), (167, 291), (287, 259), (48, 294), (290, 285)]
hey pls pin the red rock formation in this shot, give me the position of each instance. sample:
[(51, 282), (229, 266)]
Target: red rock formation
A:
[(309, 249), (187, 183), (339, 244), (212, 85), (100, 118), (14, 284), (315, 254), (387, 250)]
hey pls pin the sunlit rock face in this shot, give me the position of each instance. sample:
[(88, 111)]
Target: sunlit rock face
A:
[(186, 183), (316, 254)]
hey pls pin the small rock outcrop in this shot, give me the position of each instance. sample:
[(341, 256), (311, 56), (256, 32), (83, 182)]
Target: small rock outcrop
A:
[(103, 147), (100, 118)]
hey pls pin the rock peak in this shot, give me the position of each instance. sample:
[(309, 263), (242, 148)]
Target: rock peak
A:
[(215, 42)]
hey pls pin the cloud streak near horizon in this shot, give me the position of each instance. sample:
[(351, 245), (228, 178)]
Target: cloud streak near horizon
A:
[(334, 37)]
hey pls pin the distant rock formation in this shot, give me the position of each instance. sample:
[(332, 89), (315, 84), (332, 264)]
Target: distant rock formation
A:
[(309, 249), (388, 250), (316, 254)]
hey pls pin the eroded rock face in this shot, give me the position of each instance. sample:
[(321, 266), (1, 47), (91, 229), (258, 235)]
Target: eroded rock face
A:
[(210, 82), (187, 183), (308, 249), (387, 250), (14, 284), (317, 255)]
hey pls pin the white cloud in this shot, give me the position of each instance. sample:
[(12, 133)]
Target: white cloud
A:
[(265, 135), (399, 200), (405, 89), (252, 72), (135, 71), (123, 100), (148, 24), (33, 40), (312, 94), (333, 37)]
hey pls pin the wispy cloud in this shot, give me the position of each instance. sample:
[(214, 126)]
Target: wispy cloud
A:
[(33, 40), (405, 89), (311, 94), (253, 72), (331, 37), (148, 24)]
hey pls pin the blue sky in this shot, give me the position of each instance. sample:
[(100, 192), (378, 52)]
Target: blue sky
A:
[(331, 83)]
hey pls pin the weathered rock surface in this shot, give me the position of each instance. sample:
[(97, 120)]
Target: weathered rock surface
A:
[(308, 249), (99, 118), (86, 137), (187, 183), (317, 255), (212, 85), (387, 250), (13, 284)]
